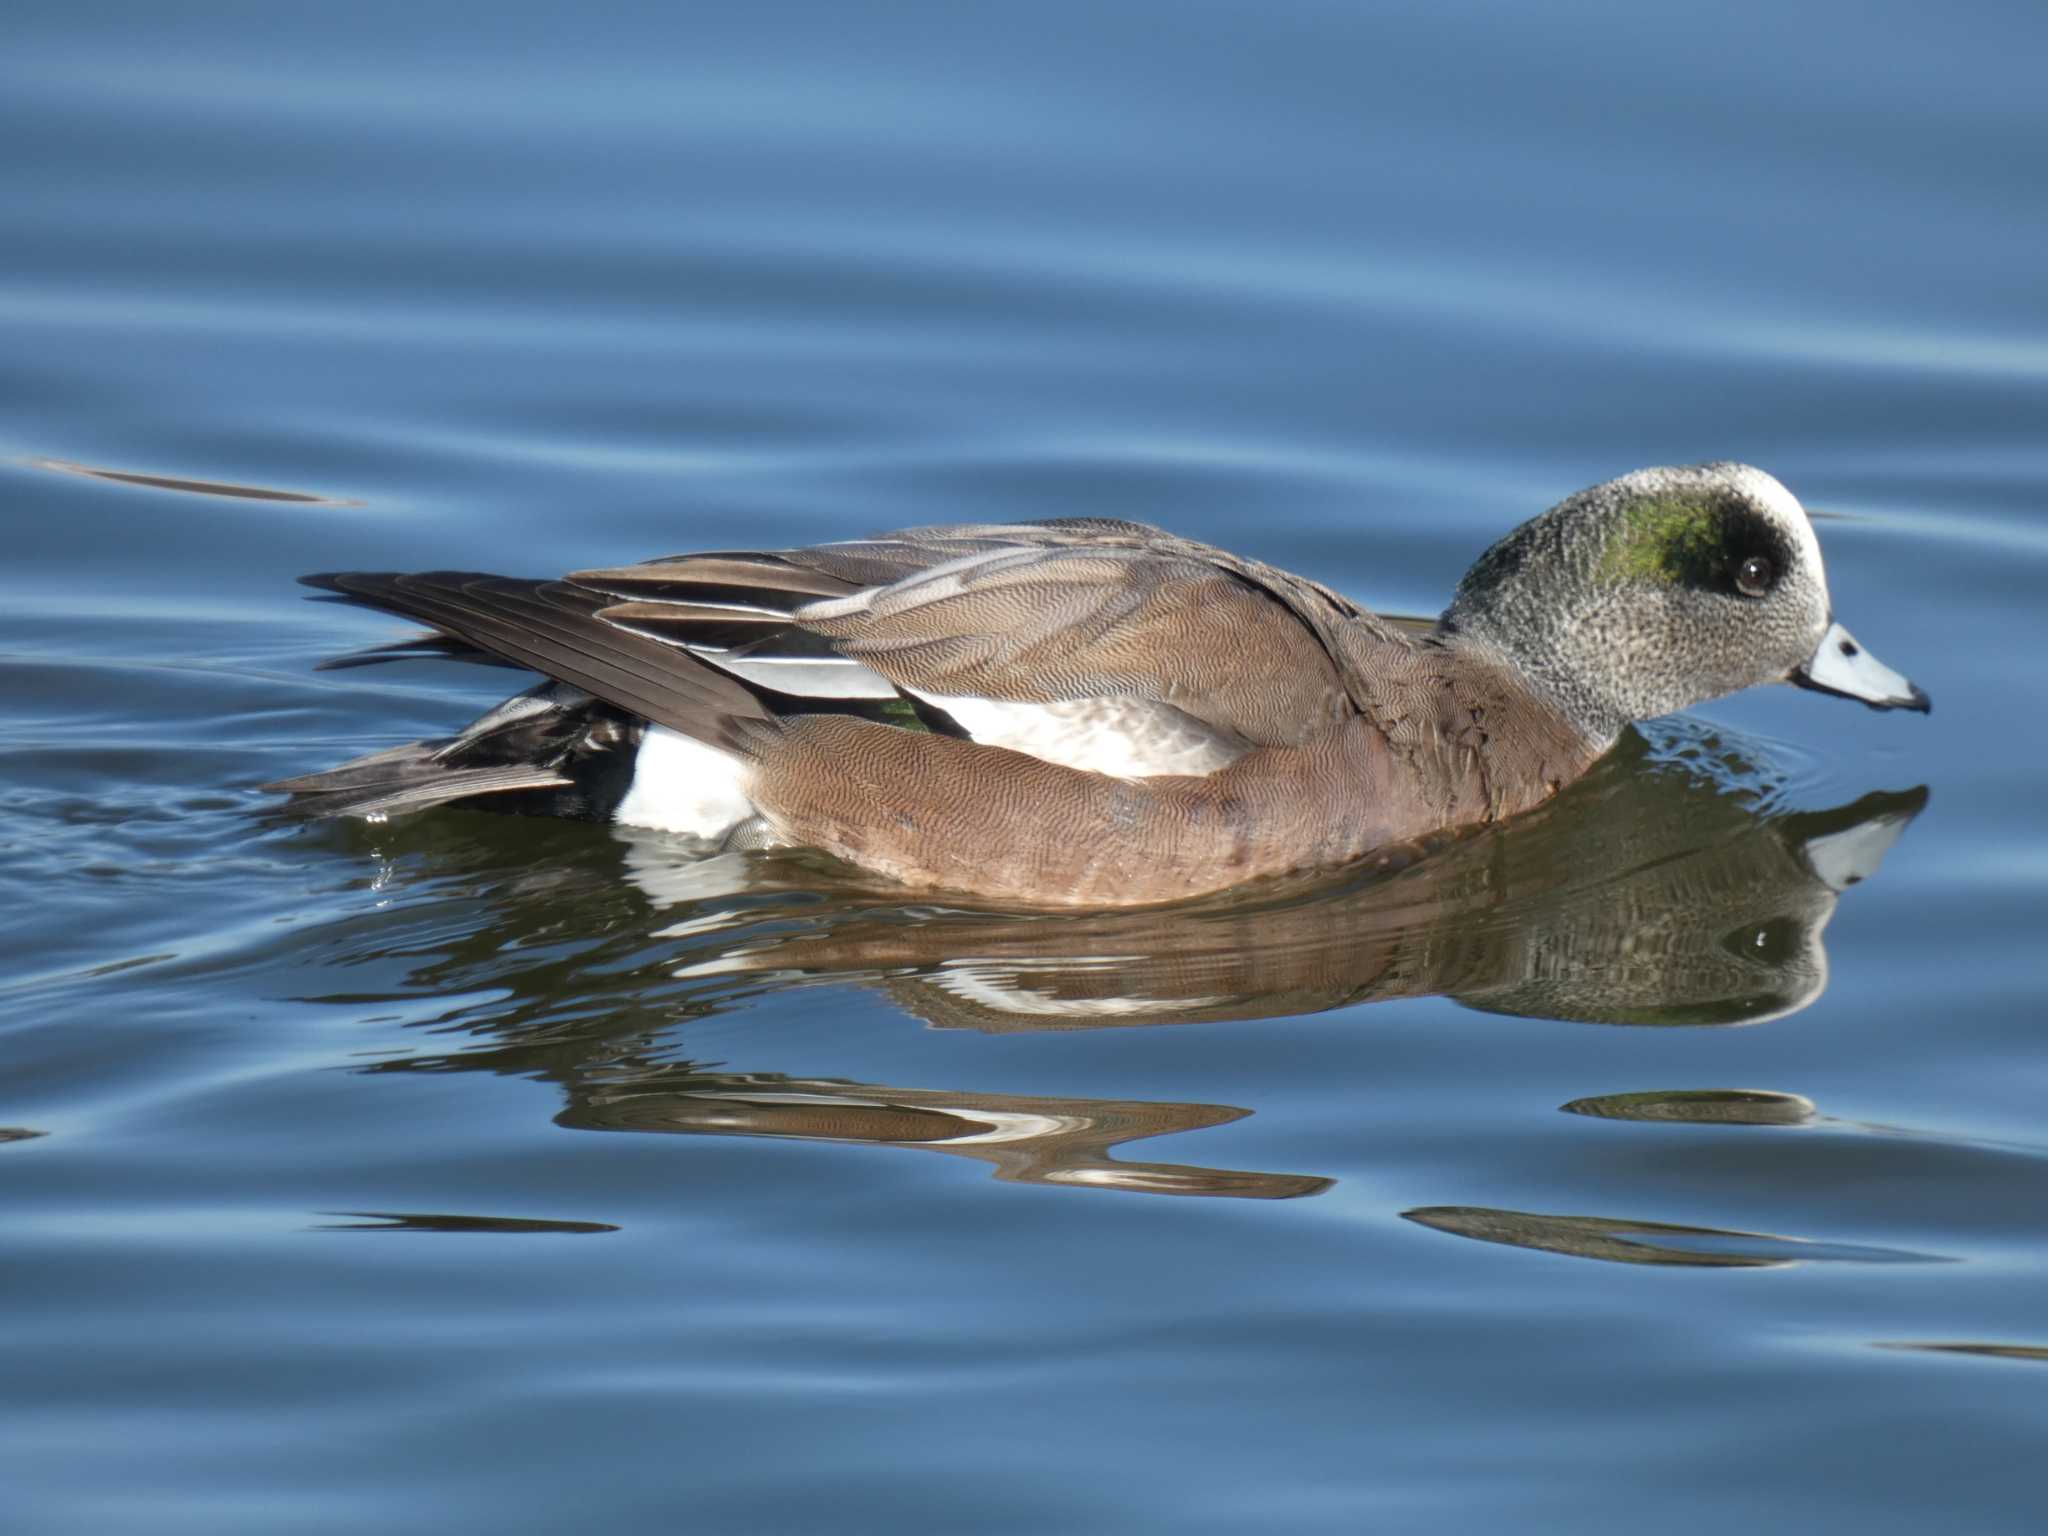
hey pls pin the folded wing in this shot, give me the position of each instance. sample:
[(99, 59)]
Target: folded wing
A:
[(1090, 642)]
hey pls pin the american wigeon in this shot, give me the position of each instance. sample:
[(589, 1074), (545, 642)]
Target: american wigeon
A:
[(1090, 711)]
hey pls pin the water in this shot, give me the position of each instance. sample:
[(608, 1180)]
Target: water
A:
[(461, 1173)]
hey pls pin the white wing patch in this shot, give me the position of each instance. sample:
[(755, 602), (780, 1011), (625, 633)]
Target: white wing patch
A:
[(810, 677), (810, 671), (1126, 738)]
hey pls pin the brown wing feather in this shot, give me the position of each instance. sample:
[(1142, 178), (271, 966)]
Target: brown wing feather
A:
[(1033, 612), (1093, 621), (728, 578)]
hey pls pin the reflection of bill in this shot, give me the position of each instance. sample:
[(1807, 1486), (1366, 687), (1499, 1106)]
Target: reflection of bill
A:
[(1664, 888), (1027, 1140)]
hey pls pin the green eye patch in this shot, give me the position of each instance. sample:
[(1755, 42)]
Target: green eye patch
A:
[(1669, 541)]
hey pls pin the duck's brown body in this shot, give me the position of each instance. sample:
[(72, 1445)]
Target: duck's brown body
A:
[(1090, 711), (930, 810)]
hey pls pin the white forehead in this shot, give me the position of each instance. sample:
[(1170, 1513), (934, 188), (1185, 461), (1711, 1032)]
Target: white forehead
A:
[(1783, 507)]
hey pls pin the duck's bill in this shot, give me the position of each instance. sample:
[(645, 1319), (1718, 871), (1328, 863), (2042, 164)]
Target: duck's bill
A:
[(1844, 668)]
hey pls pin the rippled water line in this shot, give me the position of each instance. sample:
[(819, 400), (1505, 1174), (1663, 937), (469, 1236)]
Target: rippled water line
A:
[(1527, 299), (1936, 525), (1523, 298)]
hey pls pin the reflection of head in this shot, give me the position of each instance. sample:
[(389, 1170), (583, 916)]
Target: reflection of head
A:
[(1728, 932)]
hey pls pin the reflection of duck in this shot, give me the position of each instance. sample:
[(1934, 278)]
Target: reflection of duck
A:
[(1671, 885), (1028, 1140), (1663, 888)]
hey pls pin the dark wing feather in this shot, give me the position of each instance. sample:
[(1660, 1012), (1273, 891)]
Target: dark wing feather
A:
[(553, 628), (425, 647), (700, 626)]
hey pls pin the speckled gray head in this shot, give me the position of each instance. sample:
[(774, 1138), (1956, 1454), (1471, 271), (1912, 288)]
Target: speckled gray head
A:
[(1662, 589)]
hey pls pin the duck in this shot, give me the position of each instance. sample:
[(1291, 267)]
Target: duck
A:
[(1086, 711)]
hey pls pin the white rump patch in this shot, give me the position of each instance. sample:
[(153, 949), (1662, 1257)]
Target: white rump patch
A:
[(681, 785), (1127, 738)]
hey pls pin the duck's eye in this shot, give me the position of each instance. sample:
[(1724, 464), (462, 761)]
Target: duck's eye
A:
[(1755, 576)]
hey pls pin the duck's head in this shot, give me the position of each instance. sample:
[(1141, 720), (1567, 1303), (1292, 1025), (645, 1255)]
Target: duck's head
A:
[(1662, 589)]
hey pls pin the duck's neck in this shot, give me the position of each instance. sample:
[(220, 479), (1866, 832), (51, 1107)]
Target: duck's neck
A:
[(1544, 674), (1533, 737), (1483, 739)]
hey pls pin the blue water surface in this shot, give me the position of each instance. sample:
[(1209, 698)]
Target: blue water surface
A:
[(474, 1173)]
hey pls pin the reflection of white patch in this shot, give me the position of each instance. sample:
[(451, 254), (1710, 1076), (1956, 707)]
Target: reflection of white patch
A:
[(681, 785), (1840, 859), (1129, 738), (737, 962), (997, 985), (1008, 1125), (1002, 1124)]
